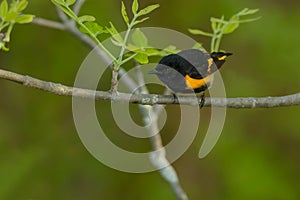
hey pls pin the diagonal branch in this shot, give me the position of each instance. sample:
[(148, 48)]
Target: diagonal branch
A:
[(150, 99), (168, 173), (48, 23), (71, 27), (77, 6), (158, 157)]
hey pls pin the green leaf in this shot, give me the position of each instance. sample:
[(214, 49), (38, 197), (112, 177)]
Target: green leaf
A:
[(213, 26), (95, 28), (3, 9), (199, 32), (170, 49), (149, 51), (198, 45), (21, 5), (133, 48), (124, 13), (116, 43), (140, 21), (232, 25), (217, 20), (230, 28), (23, 19), (141, 58), (114, 33), (86, 18), (249, 20), (139, 38), (58, 2), (69, 2), (67, 11), (148, 9), (13, 6), (247, 11), (11, 16), (135, 6), (112, 29)]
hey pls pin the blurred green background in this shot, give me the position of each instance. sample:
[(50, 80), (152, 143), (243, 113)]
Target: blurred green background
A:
[(257, 156)]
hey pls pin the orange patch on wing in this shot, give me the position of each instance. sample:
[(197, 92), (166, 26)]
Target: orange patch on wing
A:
[(193, 83)]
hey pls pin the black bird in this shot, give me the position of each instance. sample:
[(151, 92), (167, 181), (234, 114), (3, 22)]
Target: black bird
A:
[(189, 71)]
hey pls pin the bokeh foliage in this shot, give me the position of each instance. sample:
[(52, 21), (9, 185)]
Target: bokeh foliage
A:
[(256, 157)]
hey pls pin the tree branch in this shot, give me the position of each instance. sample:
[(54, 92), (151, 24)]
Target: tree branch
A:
[(77, 6), (150, 99), (158, 157), (48, 23), (71, 27)]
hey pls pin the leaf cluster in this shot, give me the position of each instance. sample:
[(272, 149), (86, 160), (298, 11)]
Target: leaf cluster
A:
[(139, 47), (10, 14), (220, 26), (88, 25), (143, 50)]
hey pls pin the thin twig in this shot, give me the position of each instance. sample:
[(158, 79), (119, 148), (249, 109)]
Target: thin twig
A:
[(158, 157), (168, 173), (48, 23), (77, 6), (114, 81), (151, 99), (76, 9), (92, 44), (62, 16)]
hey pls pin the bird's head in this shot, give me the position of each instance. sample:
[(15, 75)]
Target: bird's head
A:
[(219, 58)]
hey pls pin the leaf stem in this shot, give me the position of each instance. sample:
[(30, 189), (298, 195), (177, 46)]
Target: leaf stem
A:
[(217, 43), (119, 62), (71, 13), (7, 35), (2, 25)]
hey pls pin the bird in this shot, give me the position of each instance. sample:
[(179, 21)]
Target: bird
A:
[(190, 71)]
